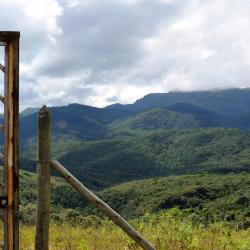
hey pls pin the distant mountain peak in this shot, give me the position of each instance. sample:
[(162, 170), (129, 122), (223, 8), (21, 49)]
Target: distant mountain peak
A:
[(29, 111), (229, 102)]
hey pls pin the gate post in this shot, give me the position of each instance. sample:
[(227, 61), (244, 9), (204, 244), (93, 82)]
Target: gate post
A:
[(10, 40)]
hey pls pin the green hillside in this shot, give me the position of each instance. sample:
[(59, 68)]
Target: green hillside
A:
[(104, 163), (203, 198), (155, 119), (158, 153), (210, 196), (71, 123), (244, 120), (182, 115), (185, 151), (228, 102)]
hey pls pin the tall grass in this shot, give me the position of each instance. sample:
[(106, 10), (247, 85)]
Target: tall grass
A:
[(167, 231)]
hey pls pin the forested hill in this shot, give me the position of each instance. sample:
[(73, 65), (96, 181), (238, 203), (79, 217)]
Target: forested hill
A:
[(187, 150), (224, 108), (230, 102), (104, 163), (104, 146)]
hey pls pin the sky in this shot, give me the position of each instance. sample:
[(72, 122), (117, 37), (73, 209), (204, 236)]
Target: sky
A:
[(99, 52)]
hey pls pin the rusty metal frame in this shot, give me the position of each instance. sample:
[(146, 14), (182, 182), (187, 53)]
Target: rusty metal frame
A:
[(10, 40)]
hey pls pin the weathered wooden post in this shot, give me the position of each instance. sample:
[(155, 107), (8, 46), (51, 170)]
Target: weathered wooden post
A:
[(10, 197), (43, 180)]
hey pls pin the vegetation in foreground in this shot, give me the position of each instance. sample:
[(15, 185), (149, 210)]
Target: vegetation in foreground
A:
[(167, 230), (207, 198)]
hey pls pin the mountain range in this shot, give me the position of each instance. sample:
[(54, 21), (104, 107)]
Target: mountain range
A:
[(180, 149), (222, 108), (229, 102), (158, 135)]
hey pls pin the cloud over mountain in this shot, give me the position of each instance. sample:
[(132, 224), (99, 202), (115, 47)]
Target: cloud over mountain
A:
[(97, 52)]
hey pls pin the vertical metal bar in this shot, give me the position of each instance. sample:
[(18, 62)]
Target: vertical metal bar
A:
[(11, 115)]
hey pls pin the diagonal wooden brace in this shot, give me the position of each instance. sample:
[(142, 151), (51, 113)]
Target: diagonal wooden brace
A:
[(1, 98), (2, 68)]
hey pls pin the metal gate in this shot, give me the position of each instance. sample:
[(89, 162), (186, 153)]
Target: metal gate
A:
[(9, 196)]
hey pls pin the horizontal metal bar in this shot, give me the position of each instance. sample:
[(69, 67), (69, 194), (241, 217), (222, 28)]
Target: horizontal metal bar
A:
[(2, 68)]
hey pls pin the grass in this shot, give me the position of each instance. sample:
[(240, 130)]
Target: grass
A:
[(167, 230)]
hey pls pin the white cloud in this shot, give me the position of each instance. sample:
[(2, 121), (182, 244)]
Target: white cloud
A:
[(38, 22), (95, 52), (44, 12), (206, 48)]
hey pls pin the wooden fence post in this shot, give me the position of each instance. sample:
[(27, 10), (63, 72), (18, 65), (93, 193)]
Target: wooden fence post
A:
[(10, 40), (43, 180)]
